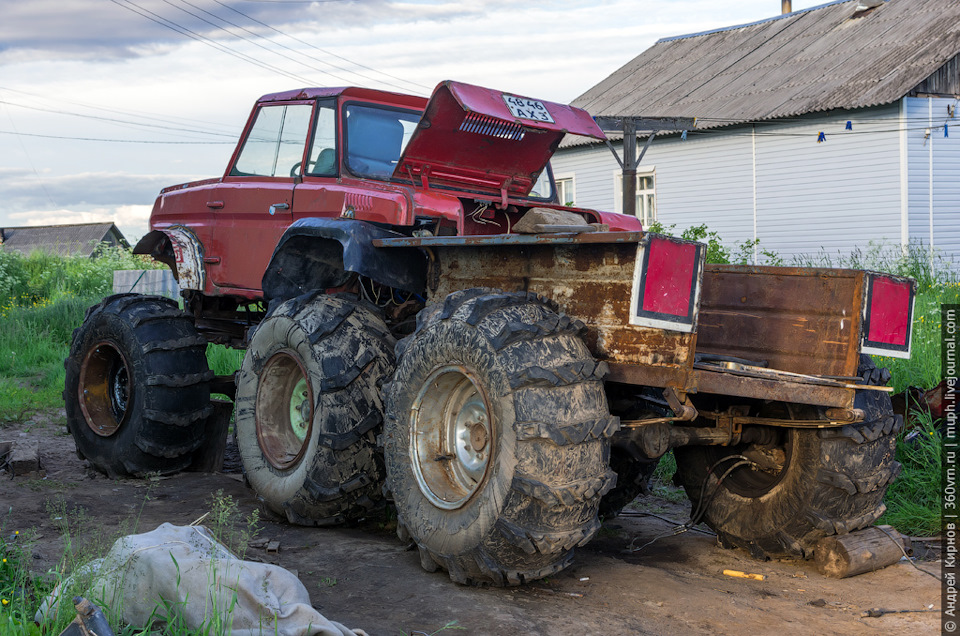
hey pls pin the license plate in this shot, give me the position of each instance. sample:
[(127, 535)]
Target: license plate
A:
[(524, 108)]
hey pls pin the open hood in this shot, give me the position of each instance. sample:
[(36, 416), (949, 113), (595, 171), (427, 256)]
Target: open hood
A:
[(483, 140)]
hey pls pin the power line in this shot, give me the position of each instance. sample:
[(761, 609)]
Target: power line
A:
[(227, 129), (173, 26), (118, 141), (118, 121), (324, 51), (296, 1), (264, 24), (248, 40), (23, 146)]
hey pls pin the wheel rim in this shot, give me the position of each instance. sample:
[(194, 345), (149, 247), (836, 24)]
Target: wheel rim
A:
[(451, 437), (284, 411), (104, 389), (752, 483)]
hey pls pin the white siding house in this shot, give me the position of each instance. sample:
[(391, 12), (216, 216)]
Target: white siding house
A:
[(826, 168)]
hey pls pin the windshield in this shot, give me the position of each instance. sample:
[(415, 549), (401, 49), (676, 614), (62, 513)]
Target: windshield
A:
[(543, 188), (376, 136)]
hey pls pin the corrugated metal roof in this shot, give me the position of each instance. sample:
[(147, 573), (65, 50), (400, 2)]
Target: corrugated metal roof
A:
[(62, 240), (824, 58)]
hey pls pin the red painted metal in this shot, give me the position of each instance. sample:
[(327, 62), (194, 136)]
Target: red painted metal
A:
[(484, 101), (888, 315), (468, 138), (889, 311), (669, 278)]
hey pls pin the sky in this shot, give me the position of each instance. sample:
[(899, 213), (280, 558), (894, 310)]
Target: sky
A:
[(105, 102)]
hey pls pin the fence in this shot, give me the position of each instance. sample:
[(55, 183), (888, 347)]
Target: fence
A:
[(146, 281)]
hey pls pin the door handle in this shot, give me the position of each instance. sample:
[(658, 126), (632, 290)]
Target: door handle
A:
[(278, 206)]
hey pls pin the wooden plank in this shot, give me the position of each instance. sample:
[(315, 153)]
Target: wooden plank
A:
[(802, 320)]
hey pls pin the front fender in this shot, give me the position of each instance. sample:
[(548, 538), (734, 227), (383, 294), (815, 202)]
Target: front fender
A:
[(318, 253), (180, 250)]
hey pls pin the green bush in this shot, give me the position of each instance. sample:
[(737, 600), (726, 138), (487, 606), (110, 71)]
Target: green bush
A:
[(28, 280)]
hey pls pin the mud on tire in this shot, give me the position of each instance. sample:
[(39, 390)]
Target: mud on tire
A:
[(137, 386), (833, 482), (497, 438), (309, 409)]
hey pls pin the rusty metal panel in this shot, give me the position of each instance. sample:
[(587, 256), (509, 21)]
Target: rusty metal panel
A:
[(803, 320), (492, 240), (722, 383), (589, 281)]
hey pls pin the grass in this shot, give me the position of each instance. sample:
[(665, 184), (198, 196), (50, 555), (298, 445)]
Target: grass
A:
[(22, 591), (43, 298), (34, 341), (914, 499)]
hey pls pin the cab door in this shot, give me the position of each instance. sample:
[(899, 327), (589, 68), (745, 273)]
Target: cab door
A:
[(254, 202)]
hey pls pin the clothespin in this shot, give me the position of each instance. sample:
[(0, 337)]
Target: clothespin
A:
[(821, 137), (683, 135), (849, 125)]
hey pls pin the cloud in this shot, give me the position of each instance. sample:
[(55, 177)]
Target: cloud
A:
[(103, 29), (22, 190), (131, 219)]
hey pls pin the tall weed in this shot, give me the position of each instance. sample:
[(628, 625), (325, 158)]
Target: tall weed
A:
[(39, 277), (914, 499)]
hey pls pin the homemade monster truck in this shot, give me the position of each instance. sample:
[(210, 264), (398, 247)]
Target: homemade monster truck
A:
[(425, 323)]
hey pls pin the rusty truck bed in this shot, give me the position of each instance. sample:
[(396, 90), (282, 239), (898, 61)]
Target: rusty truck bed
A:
[(803, 324)]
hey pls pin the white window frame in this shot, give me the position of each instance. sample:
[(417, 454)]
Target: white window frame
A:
[(568, 176), (642, 213)]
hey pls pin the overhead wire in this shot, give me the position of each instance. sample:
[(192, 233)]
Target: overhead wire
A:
[(118, 141), (33, 167), (59, 100), (322, 50), (173, 26), (247, 39), (183, 30), (120, 121)]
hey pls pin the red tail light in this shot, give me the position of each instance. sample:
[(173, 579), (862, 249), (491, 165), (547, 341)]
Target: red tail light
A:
[(888, 315), (666, 283)]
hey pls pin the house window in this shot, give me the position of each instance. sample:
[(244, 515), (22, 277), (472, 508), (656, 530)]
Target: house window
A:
[(646, 195), (565, 192)]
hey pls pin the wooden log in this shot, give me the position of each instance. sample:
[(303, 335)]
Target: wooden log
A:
[(861, 551)]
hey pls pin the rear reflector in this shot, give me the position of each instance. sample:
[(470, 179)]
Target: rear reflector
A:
[(888, 315), (666, 283)]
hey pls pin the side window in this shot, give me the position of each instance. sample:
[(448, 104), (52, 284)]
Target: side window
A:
[(323, 153), (274, 147), (376, 136)]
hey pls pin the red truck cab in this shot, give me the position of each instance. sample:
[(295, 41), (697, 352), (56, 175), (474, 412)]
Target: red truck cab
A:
[(453, 165)]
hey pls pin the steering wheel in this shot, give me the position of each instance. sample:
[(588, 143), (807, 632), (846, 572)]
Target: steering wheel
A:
[(295, 170)]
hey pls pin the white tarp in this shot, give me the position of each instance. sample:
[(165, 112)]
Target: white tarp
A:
[(178, 573)]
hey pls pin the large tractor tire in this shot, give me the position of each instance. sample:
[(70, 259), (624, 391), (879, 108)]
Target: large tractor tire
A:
[(497, 438), (830, 481), (309, 409), (137, 389), (633, 478)]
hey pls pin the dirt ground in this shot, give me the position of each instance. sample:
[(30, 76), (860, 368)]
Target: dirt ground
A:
[(365, 578)]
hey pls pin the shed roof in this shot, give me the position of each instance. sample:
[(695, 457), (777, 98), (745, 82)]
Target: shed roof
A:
[(79, 239), (833, 56)]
